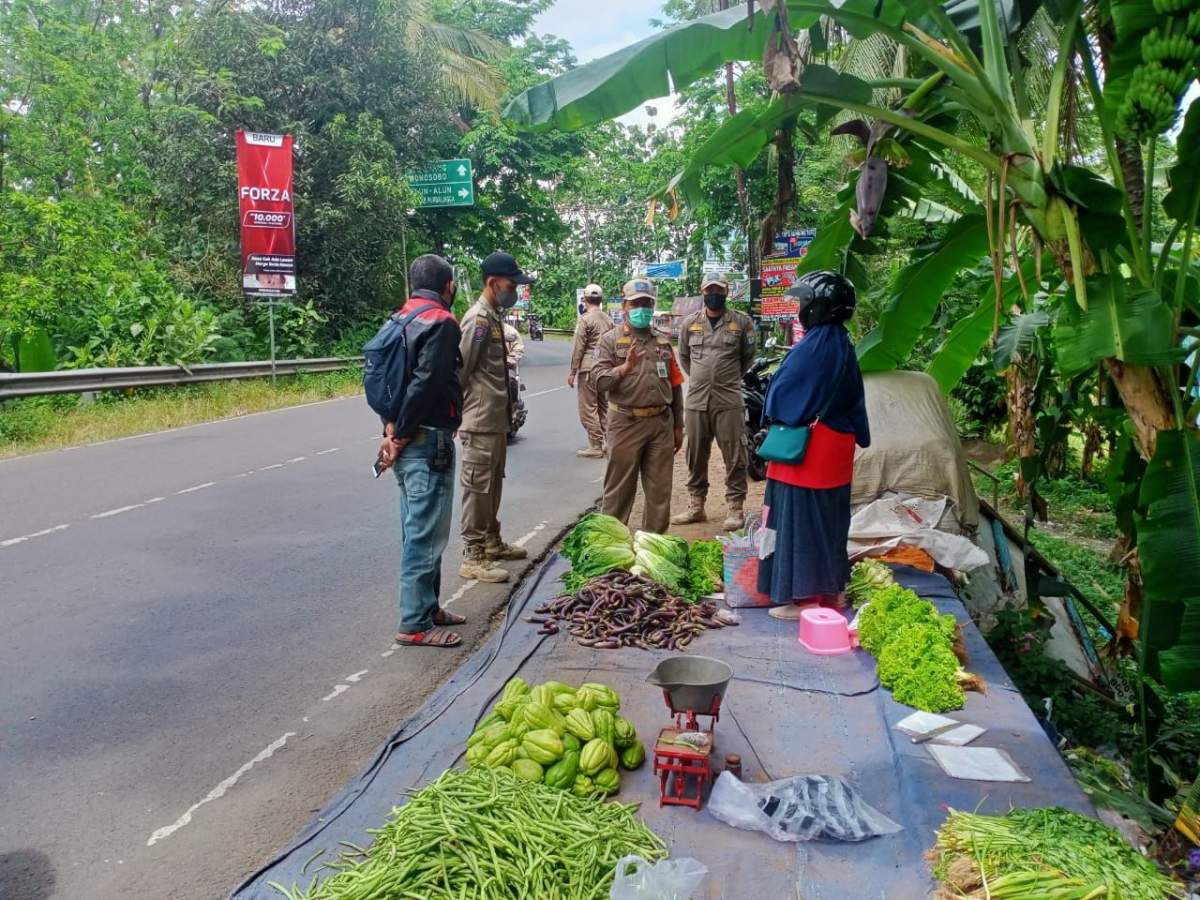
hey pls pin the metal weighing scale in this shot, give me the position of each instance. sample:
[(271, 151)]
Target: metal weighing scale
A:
[(692, 686)]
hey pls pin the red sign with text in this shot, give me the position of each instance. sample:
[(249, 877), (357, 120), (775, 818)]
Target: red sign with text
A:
[(268, 222), (777, 276)]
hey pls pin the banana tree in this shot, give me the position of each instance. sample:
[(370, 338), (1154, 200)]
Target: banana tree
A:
[(1115, 299)]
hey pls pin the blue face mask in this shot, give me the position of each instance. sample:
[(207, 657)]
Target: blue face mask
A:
[(641, 317)]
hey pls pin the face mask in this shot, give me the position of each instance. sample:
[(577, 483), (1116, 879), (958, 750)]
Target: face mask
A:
[(507, 298), (714, 301), (641, 317)]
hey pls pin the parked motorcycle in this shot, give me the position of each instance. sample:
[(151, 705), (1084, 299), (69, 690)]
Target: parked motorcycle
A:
[(535, 329), (754, 396), (519, 411)]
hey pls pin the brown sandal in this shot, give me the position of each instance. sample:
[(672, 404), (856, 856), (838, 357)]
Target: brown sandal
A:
[(435, 637), (445, 617)]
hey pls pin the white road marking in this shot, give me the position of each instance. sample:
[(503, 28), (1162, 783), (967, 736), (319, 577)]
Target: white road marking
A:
[(219, 791), (117, 511), (337, 689), (297, 459), (268, 468), (597, 480), (154, 500), (25, 537), (134, 437), (330, 450), (356, 676), (196, 487), (526, 538), (385, 654), (457, 595), (539, 393)]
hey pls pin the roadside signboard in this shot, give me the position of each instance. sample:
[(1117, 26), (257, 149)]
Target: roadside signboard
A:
[(777, 276), (450, 182), (266, 214), (793, 244), (671, 268)]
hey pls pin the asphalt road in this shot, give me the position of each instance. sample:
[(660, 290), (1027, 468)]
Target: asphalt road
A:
[(195, 635)]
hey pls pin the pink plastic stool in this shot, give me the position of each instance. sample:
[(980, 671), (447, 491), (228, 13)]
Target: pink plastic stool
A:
[(826, 632)]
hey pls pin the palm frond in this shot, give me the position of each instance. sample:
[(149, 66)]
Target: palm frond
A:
[(466, 41), (474, 81)]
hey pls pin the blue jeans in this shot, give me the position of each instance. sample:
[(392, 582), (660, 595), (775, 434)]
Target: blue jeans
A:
[(426, 498)]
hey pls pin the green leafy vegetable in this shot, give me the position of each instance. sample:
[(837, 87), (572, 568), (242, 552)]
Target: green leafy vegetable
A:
[(1049, 852), (661, 558), (706, 569), (867, 576)]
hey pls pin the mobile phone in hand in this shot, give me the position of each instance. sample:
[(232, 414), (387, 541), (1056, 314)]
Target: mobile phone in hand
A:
[(379, 467)]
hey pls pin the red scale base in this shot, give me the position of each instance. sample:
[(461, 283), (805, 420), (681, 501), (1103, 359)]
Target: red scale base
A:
[(684, 772)]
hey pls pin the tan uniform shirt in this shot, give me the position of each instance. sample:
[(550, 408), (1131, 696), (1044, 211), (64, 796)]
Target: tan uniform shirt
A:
[(715, 359), (592, 325), (485, 370), (656, 380)]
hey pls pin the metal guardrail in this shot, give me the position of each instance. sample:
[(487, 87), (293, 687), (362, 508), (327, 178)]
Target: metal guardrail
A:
[(78, 381)]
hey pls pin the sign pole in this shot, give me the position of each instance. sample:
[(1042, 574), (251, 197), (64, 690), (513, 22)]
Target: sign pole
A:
[(271, 318), (404, 255)]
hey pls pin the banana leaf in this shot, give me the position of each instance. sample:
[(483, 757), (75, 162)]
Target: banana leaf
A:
[(1017, 336), (1136, 329), (1169, 548), (670, 60), (1184, 177), (916, 293)]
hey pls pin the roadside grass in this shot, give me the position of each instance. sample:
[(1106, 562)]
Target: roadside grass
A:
[(32, 424)]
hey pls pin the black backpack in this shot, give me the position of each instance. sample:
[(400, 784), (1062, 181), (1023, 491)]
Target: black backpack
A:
[(386, 367)]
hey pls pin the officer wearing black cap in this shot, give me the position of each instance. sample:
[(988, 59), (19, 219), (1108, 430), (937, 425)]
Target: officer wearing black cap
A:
[(485, 420)]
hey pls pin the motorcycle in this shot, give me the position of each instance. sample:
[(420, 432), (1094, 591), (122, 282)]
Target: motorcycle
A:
[(519, 411), (535, 329), (754, 397)]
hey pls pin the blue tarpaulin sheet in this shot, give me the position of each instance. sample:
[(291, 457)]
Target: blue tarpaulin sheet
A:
[(786, 712)]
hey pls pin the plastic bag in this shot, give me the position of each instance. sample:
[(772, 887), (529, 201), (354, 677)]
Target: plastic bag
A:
[(800, 808), (668, 879)]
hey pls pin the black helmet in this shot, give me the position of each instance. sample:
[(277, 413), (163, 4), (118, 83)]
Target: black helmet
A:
[(824, 297)]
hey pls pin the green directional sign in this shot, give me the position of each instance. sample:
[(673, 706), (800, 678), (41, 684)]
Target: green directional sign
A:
[(449, 182)]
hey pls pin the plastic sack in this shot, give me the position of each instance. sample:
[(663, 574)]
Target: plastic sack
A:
[(800, 808), (667, 879)]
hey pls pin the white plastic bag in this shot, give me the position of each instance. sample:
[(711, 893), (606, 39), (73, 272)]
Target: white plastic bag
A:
[(800, 808), (668, 879)]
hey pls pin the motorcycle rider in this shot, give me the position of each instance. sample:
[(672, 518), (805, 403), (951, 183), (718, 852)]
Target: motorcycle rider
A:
[(716, 348)]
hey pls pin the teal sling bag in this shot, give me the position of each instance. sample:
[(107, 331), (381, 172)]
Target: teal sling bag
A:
[(788, 444)]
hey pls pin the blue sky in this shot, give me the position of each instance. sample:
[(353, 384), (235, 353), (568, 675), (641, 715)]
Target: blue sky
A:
[(596, 28)]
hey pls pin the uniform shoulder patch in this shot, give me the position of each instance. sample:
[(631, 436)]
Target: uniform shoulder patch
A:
[(480, 333)]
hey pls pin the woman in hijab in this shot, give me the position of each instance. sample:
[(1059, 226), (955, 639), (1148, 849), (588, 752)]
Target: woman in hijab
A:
[(818, 384)]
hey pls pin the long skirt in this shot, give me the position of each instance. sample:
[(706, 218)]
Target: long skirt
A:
[(811, 526)]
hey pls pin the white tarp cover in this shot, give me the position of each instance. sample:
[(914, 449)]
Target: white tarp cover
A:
[(891, 521), (915, 448)]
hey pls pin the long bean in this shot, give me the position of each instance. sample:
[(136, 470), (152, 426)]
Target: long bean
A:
[(485, 833)]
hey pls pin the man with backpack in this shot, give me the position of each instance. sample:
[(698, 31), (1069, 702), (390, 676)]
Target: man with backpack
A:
[(412, 381)]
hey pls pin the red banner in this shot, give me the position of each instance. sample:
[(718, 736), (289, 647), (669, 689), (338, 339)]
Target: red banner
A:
[(777, 276), (268, 221)]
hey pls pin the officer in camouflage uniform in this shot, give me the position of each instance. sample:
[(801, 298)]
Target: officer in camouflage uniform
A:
[(593, 405), (716, 348), (485, 420), (645, 424)]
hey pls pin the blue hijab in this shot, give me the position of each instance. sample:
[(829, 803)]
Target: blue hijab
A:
[(808, 377)]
